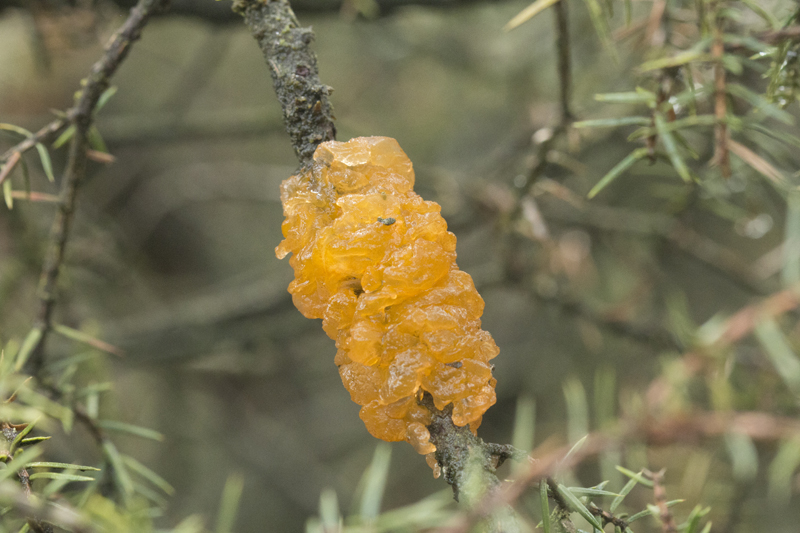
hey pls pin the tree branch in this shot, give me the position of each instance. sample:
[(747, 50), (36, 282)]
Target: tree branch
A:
[(564, 62), (307, 111), (660, 496), (650, 429), (43, 135), (468, 464), (734, 329), (721, 153), (43, 511), (81, 118), (218, 12), (309, 121), (10, 434)]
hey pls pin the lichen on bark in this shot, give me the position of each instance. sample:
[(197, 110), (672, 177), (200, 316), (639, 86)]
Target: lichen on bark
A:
[(307, 111)]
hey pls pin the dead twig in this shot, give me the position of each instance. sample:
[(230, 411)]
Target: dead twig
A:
[(462, 457)]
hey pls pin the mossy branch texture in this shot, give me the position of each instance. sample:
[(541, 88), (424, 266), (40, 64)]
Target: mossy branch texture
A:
[(307, 111), (469, 465)]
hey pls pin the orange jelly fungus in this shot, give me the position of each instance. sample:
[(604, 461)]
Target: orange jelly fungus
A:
[(376, 263)]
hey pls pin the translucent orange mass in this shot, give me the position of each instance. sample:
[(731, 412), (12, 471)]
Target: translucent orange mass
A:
[(376, 263)]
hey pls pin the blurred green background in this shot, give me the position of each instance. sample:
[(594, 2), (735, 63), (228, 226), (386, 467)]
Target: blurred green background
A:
[(172, 257)]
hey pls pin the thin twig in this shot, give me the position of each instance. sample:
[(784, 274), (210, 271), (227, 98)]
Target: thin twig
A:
[(674, 232), (35, 196), (772, 37), (99, 436), (10, 434), (744, 321), (739, 325), (81, 118), (651, 430), (608, 518), (757, 425), (653, 36), (721, 153), (9, 166), (44, 512), (547, 137), (660, 497), (564, 61), (469, 464), (45, 134), (652, 334)]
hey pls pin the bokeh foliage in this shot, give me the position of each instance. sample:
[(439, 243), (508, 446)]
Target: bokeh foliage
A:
[(660, 312)]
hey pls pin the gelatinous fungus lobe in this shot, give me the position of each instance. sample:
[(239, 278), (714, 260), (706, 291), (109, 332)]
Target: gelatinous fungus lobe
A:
[(376, 263)]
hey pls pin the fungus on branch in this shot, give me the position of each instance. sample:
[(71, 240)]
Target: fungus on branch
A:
[(375, 261)]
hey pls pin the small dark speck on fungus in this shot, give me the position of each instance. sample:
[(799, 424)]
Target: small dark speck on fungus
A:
[(386, 221)]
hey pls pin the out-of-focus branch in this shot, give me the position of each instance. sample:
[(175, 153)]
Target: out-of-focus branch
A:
[(564, 61), (660, 496), (546, 138), (675, 233), (307, 111), (654, 335), (574, 211), (772, 37), (44, 135), (721, 152), (43, 511), (652, 430), (744, 321), (81, 118), (36, 525), (218, 12), (739, 325)]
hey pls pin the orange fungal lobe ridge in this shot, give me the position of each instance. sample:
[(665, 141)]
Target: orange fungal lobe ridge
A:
[(377, 264)]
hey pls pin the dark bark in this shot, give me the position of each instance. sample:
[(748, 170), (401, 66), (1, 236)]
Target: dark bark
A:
[(307, 111), (469, 465)]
